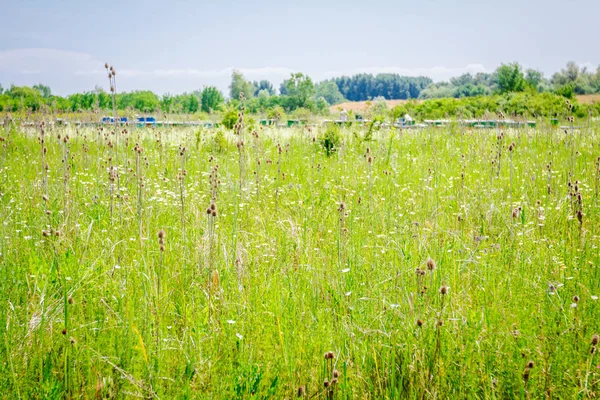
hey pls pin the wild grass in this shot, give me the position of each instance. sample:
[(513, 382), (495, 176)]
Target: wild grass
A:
[(393, 268)]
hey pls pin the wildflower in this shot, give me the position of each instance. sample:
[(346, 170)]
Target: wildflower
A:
[(444, 290)]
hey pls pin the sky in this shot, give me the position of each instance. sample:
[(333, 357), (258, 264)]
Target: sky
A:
[(178, 46)]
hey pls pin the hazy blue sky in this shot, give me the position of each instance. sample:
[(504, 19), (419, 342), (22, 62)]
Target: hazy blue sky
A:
[(176, 46)]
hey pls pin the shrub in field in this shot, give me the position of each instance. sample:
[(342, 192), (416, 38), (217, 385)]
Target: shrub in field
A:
[(230, 117), (219, 141), (331, 139)]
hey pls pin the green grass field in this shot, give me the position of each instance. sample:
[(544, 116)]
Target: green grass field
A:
[(442, 263)]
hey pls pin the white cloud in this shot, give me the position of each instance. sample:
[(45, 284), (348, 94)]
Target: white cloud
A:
[(70, 71), (45, 60), (215, 73)]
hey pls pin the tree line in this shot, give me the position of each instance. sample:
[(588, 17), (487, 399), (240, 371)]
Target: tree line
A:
[(568, 82), (300, 94)]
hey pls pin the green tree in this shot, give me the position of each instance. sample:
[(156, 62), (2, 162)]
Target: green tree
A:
[(166, 102), (230, 117), (240, 85), (25, 98), (535, 79), (263, 85), (330, 92), (322, 106), (212, 99), (300, 91), (510, 78), (44, 90), (191, 104)]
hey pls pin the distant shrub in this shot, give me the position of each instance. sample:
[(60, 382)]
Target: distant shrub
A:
[(567, 91), (230, 117), (331, 139), (219, 141)]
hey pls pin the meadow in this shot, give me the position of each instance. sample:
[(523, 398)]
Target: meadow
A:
[(303, 262)]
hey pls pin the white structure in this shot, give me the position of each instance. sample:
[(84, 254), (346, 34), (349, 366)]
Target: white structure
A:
[(344, 115)]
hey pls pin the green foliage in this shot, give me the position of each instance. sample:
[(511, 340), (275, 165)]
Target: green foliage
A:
[(300, 92), (329, 91), (44, 90), (277, 113), (166, 103), (527, 104), (331, 139), (219, 141), (582, 80), (380, 107), (302, 114), (230, 117), (144, 101), (510, 78), (363, 87), (322, 106), (21, 98), (212, 99), (263, 85), (307, 255), (535, 79), (567, 91), (466, 85), (240, 85), (373, 126)]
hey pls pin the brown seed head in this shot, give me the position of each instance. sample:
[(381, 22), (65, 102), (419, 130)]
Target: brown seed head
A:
[(430, 264), (444, 289), (595, 339)]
